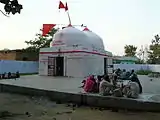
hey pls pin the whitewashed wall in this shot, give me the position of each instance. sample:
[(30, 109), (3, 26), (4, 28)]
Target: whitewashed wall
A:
[(21, 66), (154, 68)]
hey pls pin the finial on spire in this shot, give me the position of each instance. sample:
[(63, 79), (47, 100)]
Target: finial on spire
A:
[(69, 25), (86, 29)]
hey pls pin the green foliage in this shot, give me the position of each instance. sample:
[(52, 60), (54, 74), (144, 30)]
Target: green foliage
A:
[(154, 51), (40, 41), (130, 50), (143, 72), (140, 61)]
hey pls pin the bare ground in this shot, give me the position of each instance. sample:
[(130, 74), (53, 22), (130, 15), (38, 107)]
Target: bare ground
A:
[(18, 107)]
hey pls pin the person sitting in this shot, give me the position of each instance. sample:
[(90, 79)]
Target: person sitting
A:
[(89, 84), (105, 86), (83, 82), (123, 75), (128, 74), (95, 86), (117, 92), (115, 78), (5, 75), (17, 74), (118, 72), (134, 78), (14, 76), (99, 79), (9, 75), (131, 90)]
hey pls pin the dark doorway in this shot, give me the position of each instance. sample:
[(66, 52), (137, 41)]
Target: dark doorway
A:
[(24, 58), (59, 66), (51, 66), (105, 66)]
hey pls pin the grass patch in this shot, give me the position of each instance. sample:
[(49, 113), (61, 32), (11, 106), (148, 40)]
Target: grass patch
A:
[(143, 72), (22, 74)]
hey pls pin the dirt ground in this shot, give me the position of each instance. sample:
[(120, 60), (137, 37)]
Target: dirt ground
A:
[(18, 107)]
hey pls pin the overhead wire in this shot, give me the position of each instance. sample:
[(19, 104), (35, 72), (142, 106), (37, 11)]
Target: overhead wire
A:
[(4, 13)]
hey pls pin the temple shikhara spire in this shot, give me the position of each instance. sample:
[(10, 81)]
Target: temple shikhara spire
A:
[(75, 52)]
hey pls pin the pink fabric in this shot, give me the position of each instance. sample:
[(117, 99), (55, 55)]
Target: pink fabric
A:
[(88, 85)]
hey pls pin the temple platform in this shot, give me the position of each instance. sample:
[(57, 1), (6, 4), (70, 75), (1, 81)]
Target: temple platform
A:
[(66, 89)]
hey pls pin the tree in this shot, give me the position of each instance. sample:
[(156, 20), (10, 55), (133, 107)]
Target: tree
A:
[(130, 50), (142, 54), (11, 6), (154, 51), (40, 41)]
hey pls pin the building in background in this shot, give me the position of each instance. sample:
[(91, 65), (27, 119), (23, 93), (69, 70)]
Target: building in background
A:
[(19, 55), (124, 60)]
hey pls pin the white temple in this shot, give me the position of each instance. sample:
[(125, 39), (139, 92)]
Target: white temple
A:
[(75, 53)]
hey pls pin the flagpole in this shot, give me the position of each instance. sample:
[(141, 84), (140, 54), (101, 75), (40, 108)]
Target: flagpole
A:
[(66, 9), (69, 18)]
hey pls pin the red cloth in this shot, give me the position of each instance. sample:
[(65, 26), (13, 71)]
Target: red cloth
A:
[(47, 28), (89, 85), (66, 8), (61, 5)]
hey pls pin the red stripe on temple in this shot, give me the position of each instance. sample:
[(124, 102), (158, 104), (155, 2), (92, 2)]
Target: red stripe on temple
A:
[(75, 51)]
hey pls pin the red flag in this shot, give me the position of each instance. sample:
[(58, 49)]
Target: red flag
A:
[(66, 8), (61, 5), (47, 28)]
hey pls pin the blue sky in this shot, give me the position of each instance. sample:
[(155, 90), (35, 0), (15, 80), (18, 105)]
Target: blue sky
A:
[(118, 22)]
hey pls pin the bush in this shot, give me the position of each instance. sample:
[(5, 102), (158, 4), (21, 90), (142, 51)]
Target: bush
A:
[(143, 72)]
